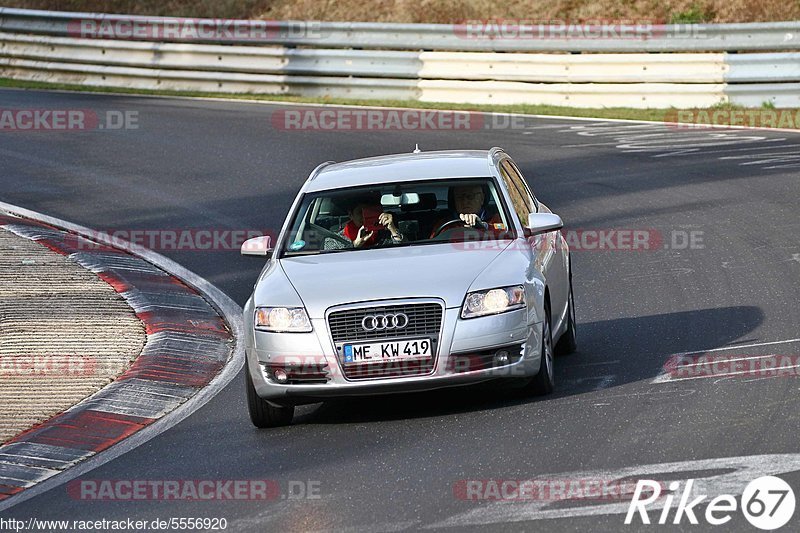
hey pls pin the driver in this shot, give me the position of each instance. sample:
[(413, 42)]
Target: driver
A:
[(469, 203)]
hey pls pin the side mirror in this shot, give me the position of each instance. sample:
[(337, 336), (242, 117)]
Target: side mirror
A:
[(258, 246), (542, 223)]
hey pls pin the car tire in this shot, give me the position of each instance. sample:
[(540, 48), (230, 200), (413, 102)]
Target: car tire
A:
[(543, 382), (568, 342), (262, 413)]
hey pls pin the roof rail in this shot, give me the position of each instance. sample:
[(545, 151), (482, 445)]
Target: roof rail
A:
[(493, 151), (316, 171)]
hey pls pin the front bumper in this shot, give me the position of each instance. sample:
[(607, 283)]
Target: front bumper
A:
[(458, 338)]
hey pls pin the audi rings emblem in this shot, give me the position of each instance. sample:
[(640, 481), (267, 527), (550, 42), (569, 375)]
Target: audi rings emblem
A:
[(384, 322)]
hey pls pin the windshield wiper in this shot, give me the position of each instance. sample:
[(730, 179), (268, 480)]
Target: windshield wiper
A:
[(406, 244), (307, 252)]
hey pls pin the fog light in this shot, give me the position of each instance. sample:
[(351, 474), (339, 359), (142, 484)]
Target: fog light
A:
[(501, 357), (280, 376)]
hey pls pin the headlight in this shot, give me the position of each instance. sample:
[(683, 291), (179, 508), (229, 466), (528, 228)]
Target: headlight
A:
[(282, 319), (493, 301)]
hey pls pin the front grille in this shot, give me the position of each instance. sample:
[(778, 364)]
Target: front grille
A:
[(424, 321)]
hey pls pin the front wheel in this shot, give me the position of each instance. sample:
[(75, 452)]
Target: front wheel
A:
[(544, 382), (568, 342), (262, 413)]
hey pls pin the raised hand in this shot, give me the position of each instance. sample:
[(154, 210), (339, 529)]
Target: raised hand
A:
[(362, 237)]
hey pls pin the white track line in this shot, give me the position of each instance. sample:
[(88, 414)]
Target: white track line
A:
[(727, 475), (736, 347), (665, 377), (230, 311), (734, 359)]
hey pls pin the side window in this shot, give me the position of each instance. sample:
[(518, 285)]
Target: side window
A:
[(520, 200), (523, 183)]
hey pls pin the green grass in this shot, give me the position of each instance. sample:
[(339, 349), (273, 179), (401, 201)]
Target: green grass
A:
[(530, 109), (443, 11), (693, 15)]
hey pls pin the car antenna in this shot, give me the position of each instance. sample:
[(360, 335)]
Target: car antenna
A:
[(416, 148)]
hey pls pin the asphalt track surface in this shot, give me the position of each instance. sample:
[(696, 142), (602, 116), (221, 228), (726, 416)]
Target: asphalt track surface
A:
[(391, 463)]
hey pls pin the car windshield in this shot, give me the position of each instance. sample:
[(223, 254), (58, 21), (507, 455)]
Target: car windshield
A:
[(398, 214)]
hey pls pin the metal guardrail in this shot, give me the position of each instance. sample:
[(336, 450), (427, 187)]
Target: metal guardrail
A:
[(755, 68), (544, 68), (207, 81), (470, 36), (220, 58), (326, 59)]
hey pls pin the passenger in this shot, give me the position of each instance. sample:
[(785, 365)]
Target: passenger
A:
[(356, 232)]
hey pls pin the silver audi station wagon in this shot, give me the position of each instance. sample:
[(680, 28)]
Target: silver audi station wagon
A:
[(405, 273)]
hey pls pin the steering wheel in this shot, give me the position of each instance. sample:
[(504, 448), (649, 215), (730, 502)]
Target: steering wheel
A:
[(444, 227)]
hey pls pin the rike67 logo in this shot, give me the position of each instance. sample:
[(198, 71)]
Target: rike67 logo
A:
[(767, 503)]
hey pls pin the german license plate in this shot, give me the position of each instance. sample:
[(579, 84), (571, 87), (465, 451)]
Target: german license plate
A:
[(378, 352)]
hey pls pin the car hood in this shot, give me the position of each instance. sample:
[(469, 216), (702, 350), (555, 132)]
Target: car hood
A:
[(438, 271)]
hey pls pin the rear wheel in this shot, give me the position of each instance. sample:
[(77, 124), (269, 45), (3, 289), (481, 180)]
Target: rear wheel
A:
[(262, 413), (544, 382), (568, 342)]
